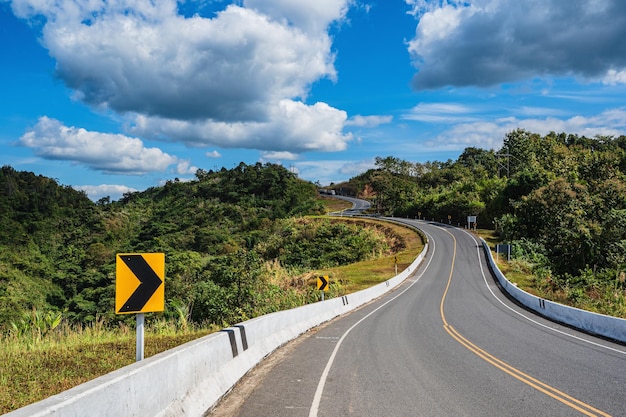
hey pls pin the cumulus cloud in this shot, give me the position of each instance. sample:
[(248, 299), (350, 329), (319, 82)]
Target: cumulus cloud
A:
[(368, 121), (488, 42), (292, 126), (96, 192), (489, 134), (185, 168), (213, 154), (110, 153), (238, 78), (613, 77), (311, 16)]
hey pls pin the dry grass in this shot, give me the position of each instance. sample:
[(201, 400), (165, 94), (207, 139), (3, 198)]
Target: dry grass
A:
[(361, 275), (334, 204), (31, 371)]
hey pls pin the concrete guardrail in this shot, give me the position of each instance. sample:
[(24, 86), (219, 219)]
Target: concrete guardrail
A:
[(190, 379), (594, 323)]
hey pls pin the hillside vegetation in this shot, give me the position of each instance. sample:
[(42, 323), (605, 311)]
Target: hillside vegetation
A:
[(237, 245), (559, 199), (227, 235), (247, 241)]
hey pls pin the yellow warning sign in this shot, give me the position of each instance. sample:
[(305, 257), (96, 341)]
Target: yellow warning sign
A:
[(139, 282)]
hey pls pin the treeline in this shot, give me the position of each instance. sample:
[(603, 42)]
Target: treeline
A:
[(232, 238), (235, 238), (560, 199)]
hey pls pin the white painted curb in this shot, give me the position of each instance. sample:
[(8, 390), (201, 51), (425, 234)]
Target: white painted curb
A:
[(594, 323)]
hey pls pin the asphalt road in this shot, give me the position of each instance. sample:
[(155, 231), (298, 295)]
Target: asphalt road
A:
[(358, 205), (445, 343)]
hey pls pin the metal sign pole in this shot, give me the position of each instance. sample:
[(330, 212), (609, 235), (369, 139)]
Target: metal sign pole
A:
[(139, 344)]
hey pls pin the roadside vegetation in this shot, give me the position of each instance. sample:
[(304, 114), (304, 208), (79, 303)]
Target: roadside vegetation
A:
[(590, 293), (238, 244), (252, 240), (558, 199), (50, 355)]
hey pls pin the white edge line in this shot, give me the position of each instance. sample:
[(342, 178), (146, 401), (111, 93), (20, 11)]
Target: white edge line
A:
[(478, 248), (320, 386)]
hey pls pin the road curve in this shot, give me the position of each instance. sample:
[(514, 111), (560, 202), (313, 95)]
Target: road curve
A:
[(445, 343), (358, 206)]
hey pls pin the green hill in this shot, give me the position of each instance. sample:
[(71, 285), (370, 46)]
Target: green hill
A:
[(220, 232), (559, 199)]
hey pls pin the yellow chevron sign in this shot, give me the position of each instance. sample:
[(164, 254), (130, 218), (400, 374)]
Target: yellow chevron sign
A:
[(139, 282), (323, 283)]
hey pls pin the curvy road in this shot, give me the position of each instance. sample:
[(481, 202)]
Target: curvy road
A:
[(447, 342), (358, 205)]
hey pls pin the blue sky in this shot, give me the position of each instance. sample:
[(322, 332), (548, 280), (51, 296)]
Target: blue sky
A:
[(110, 96)]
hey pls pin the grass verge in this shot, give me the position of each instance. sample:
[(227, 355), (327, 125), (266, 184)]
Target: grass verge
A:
[(361, 275), (33, 370), (595, 296)]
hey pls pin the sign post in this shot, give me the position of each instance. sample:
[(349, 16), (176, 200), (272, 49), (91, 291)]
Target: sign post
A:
[(471, 220), (139, 338), (503, 248), (139, 288)]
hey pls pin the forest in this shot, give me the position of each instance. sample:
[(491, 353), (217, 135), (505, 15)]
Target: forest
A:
[(558, 199), (227, 235)]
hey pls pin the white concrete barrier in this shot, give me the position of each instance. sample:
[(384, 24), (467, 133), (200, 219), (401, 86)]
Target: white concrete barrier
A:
[(594, 323), (190, 379)]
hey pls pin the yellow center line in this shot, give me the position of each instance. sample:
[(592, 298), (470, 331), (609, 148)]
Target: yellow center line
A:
[(505, 367)]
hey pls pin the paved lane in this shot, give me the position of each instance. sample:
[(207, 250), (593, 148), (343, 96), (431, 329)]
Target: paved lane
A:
[(445, 343), (358, 206)]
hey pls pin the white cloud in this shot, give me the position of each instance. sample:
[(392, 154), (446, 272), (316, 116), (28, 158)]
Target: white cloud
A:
[(440, 113), (368, 121), (278, 156), (311, 16), (213, 154), (421, 7), (489, 134), (185, 168), (292, 126), (613, 77), (110, 153), (488, 42), (236, 79), (485, 135), (96, 192), (146, 58)]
